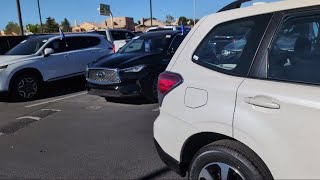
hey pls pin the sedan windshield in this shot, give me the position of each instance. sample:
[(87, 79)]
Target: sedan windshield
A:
[(146, 44), (28, 46)]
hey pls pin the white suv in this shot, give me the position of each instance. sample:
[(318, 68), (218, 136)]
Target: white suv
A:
[(46, 58), (240, 98)]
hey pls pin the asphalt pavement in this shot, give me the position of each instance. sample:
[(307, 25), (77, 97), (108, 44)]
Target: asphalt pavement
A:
[(69, 134)]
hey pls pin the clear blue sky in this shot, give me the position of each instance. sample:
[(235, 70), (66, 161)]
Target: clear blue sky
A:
[(86, 10)]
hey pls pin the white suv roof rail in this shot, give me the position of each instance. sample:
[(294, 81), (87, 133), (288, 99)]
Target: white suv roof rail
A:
[(234, 5)]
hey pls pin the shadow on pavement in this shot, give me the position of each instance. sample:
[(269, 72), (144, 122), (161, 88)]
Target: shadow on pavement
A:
[(57, 88), (155, 174), (129, 100)]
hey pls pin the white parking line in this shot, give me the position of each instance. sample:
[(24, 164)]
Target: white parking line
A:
[(155, 110), (55, 100), (30, 117), (54, 110)]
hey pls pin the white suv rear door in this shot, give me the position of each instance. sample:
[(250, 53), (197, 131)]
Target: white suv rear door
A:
[(218, 67), (278, 114)]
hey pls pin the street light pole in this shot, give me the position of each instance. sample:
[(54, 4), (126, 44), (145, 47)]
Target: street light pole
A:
[(39, 11), (194, 12), (151, 11), (19, 16)]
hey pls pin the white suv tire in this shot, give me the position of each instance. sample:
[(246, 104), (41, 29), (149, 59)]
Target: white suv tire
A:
[(216, 159), (25, 87)]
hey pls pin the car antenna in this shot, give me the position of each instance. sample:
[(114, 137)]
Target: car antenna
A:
[(234, 5)]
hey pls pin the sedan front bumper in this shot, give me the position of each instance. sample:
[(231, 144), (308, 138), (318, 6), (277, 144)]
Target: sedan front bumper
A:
[(119, 90)]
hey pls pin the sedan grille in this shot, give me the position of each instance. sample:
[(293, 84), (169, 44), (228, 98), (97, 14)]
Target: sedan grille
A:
[(103, 76)]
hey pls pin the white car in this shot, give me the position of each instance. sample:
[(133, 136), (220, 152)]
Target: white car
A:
[(118, 37), (240, 99), (46, 58)]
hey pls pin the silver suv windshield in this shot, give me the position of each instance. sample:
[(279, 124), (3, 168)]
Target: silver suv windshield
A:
[(28, 46)]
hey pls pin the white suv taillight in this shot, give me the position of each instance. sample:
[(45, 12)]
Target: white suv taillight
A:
[(167, 82)]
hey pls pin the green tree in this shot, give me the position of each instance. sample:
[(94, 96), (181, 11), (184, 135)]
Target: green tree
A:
[(65, 25), (169, 19), (51, 26), (34, 28), (183, 20), (12, 27)]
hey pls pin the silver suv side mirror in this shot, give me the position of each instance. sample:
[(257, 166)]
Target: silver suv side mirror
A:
[(48, 51)]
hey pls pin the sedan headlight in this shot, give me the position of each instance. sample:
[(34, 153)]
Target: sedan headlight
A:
[(3, 67), (134, 69)]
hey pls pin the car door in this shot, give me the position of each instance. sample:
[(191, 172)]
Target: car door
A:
[(277, 111), (212, 82), (81, 53), (58, 64)]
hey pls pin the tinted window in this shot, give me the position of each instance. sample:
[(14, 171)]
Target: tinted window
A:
[(93, 41), (121, 35), (116, 35), (76, 43), (295, 52), (146, 44), (176, 42), (58, 46), (230, 47), (28, 46)]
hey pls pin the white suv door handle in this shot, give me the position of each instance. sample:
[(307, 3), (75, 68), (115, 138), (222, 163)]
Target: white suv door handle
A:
[(66, 55), (92, 51), (262, 102)]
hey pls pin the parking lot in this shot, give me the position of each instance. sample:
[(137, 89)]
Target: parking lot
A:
[(67, 133)]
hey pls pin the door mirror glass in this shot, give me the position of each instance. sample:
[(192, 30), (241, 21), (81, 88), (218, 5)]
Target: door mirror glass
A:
[(48, 51)]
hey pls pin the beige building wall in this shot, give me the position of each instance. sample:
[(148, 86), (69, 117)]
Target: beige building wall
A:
[(155, 22), (119, 23)]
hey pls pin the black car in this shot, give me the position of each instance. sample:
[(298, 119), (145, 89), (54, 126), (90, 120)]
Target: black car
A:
[(134, 69)]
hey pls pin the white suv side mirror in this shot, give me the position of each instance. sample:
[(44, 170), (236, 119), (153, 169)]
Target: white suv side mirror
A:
[(48, 51)]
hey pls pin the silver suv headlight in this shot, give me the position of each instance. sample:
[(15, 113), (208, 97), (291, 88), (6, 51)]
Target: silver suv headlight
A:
[(134, 69)]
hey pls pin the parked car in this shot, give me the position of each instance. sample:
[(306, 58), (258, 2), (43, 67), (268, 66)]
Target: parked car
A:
[(46, 58), (118, 37), (8, 42), (254, 115), (134, 70)]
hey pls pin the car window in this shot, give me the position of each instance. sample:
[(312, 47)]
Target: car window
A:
[(116, 35), (121, 35), (230, 47), (58, 46), (176, 43), (146, 44), (129, 35), (76, 43), (295, 51), (93, 41), (28, 46)]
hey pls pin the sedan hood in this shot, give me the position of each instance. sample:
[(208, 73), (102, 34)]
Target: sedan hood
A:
[(12, 59), (124, 60)]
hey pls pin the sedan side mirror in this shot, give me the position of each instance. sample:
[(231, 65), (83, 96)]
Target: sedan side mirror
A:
[(48, 51)]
